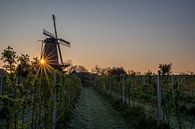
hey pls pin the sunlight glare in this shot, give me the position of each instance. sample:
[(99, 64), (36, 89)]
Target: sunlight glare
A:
[(42, 61)]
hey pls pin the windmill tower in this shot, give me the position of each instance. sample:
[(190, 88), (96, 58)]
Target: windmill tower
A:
[(50, 50)]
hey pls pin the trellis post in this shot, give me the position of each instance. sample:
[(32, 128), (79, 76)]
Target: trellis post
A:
[(1, 87), (159, 110), (54, 102), (123, 88)]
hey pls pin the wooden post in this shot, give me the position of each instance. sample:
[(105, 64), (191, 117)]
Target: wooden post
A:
[(110, 86), (1, 87), (17, 79), (123, 88), (94, 83), (172, 88), (129, 91), (54, 102), (159, 110)]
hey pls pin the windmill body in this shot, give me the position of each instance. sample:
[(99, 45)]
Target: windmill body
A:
[(51, 51)]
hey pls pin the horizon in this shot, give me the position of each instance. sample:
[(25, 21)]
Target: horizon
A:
[(133, 34), (126, 70)]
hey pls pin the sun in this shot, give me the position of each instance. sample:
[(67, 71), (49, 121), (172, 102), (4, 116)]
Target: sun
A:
[(43, 67), (42, 61)]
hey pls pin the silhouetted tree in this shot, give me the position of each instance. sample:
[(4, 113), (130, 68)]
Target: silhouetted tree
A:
[(165, 69), (131, 73), (116, 71), (24, 65), (77, 68), (35, 65), (97, 70), (9, 58)]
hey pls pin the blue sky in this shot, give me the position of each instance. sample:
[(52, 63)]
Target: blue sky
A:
[(136, 34)]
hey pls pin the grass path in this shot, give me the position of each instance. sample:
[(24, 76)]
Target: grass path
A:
[(92, 112)]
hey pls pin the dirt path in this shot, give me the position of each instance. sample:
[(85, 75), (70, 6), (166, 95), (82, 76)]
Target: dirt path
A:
[(92, 112)]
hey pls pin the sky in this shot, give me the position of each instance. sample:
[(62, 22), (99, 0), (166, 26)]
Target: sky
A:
[(135, 34)]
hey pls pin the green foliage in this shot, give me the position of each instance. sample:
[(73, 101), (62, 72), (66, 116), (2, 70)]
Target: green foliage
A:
[(11, 106), (9, 58), (177, 98), (135, 116), (29, 103), (24, 65)]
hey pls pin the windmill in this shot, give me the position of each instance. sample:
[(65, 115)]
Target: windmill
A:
[(50, 49)]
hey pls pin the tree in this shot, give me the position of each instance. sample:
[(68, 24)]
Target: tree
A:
[(97, 70), (24, 65), (131, 73), (77, 68), (35, 61), (9, 58), (116, 71), (35, 65), (100, 71), (165, 69)]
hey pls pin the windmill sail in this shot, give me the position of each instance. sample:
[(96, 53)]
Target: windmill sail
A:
[(47, 33)]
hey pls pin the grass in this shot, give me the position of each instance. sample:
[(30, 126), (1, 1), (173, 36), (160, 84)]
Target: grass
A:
[(135, 116)]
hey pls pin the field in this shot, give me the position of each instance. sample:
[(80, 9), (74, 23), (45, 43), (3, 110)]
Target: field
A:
[(39, 101), (169, 101), (37, 96)]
